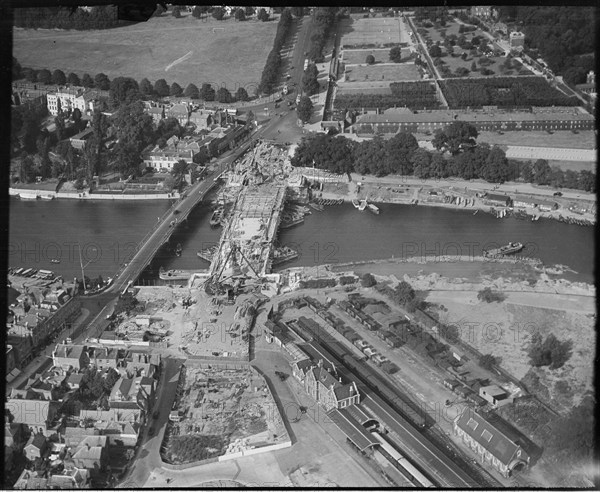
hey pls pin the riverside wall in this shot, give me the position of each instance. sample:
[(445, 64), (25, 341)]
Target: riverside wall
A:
[(85, 195)]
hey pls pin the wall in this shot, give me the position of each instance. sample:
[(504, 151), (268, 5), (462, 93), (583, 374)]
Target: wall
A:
[(263, 449)]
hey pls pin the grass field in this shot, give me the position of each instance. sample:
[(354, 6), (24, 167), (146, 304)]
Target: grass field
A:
[(567, 139), (185, 50), (376, 31), (386, 73), (357, 57), (363, 90)]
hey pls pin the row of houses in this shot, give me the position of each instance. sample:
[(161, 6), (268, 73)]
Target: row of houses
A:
[(36, 317), (215, 142), (69, 357), (396, 120), (188, 112)]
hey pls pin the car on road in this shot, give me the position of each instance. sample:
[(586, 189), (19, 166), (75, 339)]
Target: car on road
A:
[(558, 193), (176, 212)]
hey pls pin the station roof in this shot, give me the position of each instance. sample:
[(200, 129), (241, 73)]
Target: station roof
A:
[(353, 430)]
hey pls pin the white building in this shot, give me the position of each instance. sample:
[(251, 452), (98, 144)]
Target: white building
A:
[(69, 99)]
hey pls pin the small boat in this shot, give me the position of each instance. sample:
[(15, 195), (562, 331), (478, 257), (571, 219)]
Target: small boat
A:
[(316, 206), (475, 213), (362, 205), (510, 248), (47, 197), (373, 208), (54, 260), (356, 203), (216, 218), (281, 255), (174, 274), (178, 249), (28, 196)]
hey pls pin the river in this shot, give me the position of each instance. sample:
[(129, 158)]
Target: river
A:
[(109, 231)]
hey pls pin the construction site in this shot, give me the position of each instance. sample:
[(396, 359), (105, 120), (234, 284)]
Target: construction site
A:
[(222, 411)]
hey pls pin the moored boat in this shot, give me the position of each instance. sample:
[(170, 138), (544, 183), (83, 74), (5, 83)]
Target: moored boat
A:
[(178, 249), (362, 205), (216, 218), (373, 208), (174, 274), (508, 249), (356, 203)]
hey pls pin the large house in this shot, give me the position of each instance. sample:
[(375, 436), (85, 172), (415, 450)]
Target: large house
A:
[(36, 447), (494, 447), (163, 159), (91, 453), (69, 99), (69, 356)]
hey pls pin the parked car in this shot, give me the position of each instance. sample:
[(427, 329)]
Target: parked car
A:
[(558, 193)]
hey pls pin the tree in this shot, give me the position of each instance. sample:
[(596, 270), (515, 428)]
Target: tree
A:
[(87, 80), (202, 156), (249, 11), (495, 168), (368, 280), (240, 15), (541, 172), (73, 79), (192, 92), (310, 84), (29, 74), (370, 60), (435, 51), (396, 54), (462, 72), (304, 109), (44, 76), (421, 161), (218, 13), (223, 95), (262, 15), (298, 11), (16, 69), (159, 11), (180, 168), (102, 82), (58, 77), (488, 295), (455, 137), (146, 88), (207, 92), (123, 90), (161, 88), (175, 90), (241, 94), (404, 293), (199, 11), (27, 170), (399, 149), (487, 361), (176, 12), (550, 352)]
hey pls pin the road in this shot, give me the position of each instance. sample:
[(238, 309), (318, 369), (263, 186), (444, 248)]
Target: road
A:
[(147, 456)]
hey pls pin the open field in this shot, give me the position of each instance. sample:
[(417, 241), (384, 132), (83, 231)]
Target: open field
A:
[(563, 139), (388, 73), (185, 50), (373, 31), (357, 57), (356, 89)]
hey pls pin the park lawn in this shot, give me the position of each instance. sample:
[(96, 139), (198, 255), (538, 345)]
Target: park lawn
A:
[(223, 53), (357, 57)]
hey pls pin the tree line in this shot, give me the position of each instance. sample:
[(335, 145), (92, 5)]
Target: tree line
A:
[(270, 73), (126, 89), (457, 155), (323, 21), (98, 17)]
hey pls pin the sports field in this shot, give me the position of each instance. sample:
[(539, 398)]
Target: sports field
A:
[(186, 50), (357, 57), (382, 73), (373, 31)]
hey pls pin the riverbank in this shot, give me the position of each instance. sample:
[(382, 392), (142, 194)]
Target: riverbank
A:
[(44, 194), (433, 192)]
